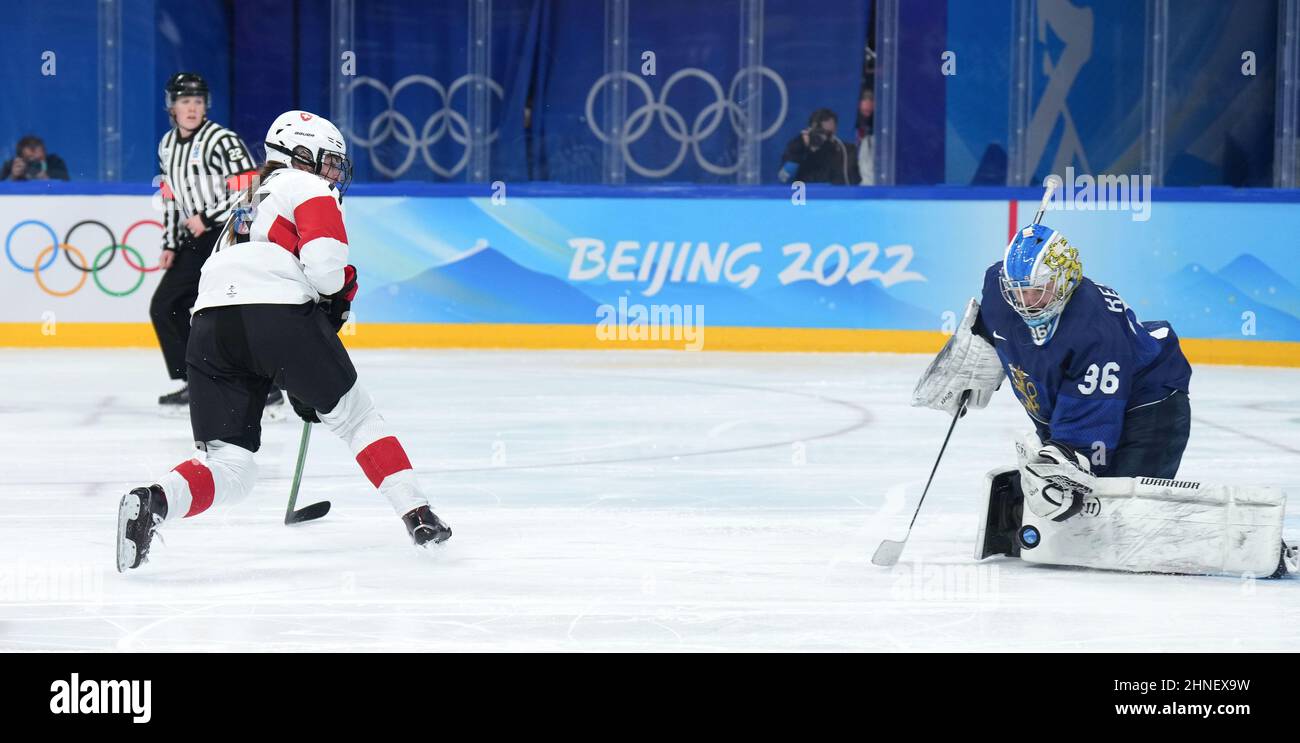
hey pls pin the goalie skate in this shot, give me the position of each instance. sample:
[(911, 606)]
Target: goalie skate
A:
[(1002, 515)]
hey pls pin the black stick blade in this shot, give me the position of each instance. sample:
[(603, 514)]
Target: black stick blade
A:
[(307, 513)]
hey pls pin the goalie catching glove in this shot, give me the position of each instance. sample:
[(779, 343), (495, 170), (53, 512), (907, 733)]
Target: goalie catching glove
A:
[(966, 363), (1054, 478)]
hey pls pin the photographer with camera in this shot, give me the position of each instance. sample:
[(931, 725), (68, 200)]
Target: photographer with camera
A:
[(32, 164), (818, 156)]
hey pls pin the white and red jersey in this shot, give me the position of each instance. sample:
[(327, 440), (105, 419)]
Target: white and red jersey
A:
[(297, 250)]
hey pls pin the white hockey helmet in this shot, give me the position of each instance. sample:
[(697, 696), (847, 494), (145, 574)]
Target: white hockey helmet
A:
[(310, 142)]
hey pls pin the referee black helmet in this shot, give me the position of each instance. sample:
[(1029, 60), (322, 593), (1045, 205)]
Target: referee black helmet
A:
[(187, 83)]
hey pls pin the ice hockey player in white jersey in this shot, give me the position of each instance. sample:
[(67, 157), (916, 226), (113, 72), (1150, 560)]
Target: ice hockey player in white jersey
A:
[(1108, 398), (272, 299)]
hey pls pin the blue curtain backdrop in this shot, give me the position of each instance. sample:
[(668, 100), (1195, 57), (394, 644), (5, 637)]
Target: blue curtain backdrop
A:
[(159, 37), (813, 51), (262, 57), (59, 108), (1218, 121)]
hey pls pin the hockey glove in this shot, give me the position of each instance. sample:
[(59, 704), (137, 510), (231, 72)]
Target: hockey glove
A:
[(338, 306), (1055, 479), (304, 411), (966, 363)]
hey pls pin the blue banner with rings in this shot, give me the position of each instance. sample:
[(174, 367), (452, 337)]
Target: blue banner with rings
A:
[(895, 263), (80, 258), (827, 263)]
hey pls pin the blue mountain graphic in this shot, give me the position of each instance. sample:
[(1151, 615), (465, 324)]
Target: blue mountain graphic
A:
[(843, 305), (482, 286), (1262, 284), (799, 305), (1200, 304)]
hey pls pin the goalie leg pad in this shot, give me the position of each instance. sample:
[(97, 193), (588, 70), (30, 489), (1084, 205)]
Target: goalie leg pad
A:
[(1164, 526)]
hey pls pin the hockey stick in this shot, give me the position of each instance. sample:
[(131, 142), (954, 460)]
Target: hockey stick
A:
[(315, 510), (889, 551), (1050, 187)]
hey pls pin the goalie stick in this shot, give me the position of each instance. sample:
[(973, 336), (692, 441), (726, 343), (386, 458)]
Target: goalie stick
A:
[(889, 551), (1049, 188), (315, 510)]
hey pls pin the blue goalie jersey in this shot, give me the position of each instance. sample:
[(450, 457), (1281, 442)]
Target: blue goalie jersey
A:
[(1098, 364)]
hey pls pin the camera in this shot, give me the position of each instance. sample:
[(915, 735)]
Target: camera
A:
[(817, 134)]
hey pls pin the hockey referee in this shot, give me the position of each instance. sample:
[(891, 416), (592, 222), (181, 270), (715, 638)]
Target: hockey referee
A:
[(204, 168)]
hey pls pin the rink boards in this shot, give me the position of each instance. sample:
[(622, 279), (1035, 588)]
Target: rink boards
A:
[(765, 269)]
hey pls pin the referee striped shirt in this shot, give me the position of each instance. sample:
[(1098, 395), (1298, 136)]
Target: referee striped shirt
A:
[(199, 176)]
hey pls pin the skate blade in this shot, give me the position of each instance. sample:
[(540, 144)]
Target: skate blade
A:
[(127, 511), (174, 411), (438, 542), (1289, 564)]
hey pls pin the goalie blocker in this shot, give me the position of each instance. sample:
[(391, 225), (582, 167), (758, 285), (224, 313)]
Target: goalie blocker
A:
[(1143, 524)]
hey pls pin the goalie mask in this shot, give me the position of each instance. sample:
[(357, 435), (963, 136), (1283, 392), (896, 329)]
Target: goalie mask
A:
[(309, 142), (1039, 274)]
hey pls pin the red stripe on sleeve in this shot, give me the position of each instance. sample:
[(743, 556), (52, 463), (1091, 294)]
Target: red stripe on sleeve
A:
[(202, 490), (319, 216), (284, 234), (167, 192), (382, 458)]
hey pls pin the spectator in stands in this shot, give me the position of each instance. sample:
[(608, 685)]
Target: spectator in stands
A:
[(32, 164), (818, 156), (866, 137)]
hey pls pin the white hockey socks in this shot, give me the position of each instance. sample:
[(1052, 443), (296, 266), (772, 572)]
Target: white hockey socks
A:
[(224, 476), (377, 450)]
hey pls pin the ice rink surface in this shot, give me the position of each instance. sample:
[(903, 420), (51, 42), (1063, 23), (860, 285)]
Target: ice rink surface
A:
[(604, 500)]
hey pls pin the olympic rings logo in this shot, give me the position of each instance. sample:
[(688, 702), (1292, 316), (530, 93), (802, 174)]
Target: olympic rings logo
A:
[(446, 121), (46, 257), (674, 124)]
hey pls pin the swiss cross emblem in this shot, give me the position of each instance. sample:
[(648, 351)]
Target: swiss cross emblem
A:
[(305, 116)]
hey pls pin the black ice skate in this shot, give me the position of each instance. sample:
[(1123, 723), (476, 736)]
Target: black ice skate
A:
[(275, 409), (424, 526), (138, 517), (178, 399), (1289, 561), (1002, 516)]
